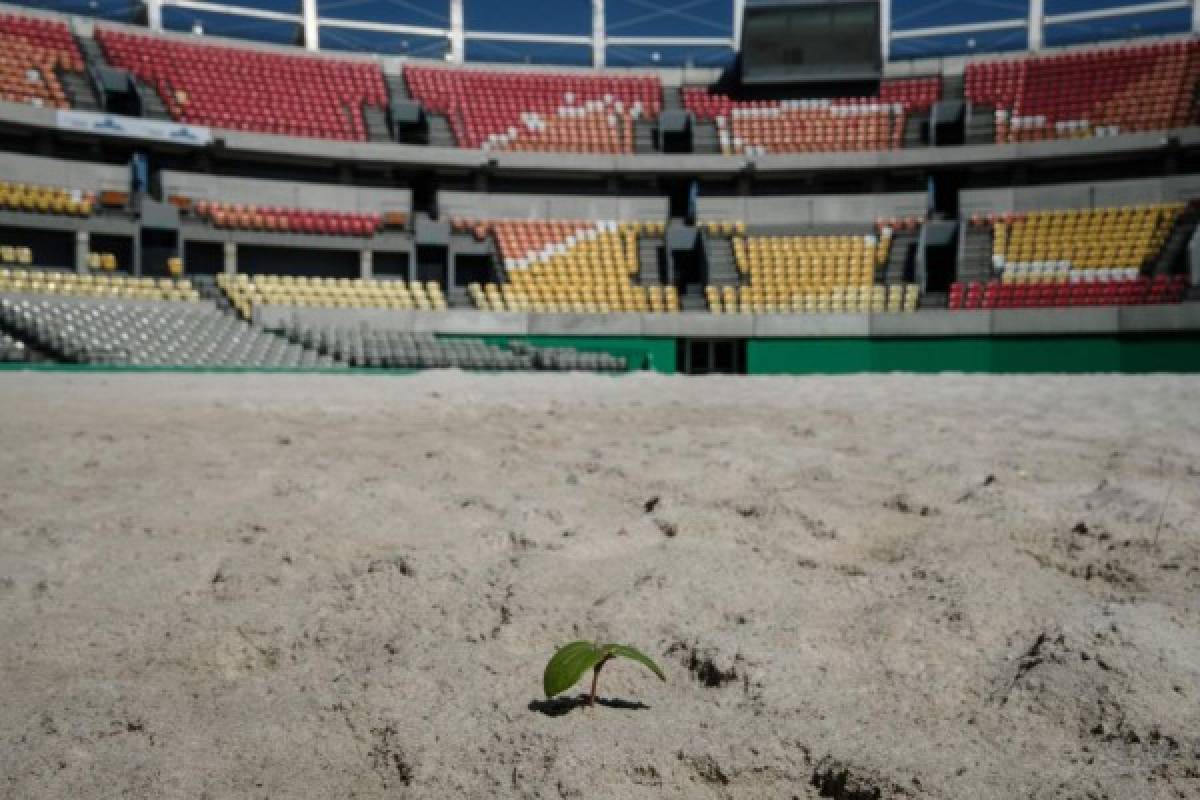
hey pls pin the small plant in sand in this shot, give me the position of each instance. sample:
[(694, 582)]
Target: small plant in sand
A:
[(567, 666)]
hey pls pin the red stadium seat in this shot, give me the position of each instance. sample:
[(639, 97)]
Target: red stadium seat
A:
[(542, 112), (289, 220), (815, 126), (247, 90), (32, 52), (1096, 93)]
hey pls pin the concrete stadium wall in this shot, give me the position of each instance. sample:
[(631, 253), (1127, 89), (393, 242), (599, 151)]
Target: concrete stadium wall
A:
[(264, 192), (1138, 339), (811, 209), (18, 168), (532, 206), (281, 149), (1180, 318), (1095, 194)]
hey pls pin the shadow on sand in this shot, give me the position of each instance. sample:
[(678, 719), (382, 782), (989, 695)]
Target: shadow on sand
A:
[(565, 705)]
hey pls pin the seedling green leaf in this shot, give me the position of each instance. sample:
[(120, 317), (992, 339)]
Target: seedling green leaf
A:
[(625, 651), (566, 667)]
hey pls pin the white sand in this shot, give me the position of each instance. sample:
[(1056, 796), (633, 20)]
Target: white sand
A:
[(335, 587)]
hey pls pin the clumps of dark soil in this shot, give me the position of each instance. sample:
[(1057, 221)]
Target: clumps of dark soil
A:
[(838, 780), (704, 664), (969, 495), (520, 541), (388, 759), (399, 564), (646, 775), (746, 511), (815, 526), (651, 504), (1110, 572), (1046, 649), (706, 768), (668, 529), (903, 505)]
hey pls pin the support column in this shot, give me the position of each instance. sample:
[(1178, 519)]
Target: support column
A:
[(458, 37), (83, 246), (366, 265), (312, 27), (154, 15), (739, 11), (231, 258), (885, 29), (599, 35), (1196, 16), (1037, 24)]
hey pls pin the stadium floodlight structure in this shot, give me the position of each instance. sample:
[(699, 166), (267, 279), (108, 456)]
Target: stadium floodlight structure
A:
[(456, 35), (1032, 24)]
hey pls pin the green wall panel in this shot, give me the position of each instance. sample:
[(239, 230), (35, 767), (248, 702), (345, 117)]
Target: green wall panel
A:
[(807, 356), (1056, 354), (962, 354), (1001, 354), (1178, 353), (833, 356)]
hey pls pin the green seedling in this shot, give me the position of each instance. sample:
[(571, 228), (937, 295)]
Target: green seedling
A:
[(567, 666)]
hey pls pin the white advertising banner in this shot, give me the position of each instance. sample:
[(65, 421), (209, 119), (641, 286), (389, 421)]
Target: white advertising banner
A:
[(133, 127)]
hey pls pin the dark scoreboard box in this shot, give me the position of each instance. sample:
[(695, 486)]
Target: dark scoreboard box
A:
[(802, 41)]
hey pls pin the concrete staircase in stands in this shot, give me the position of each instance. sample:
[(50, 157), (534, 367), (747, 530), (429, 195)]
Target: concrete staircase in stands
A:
[(440, 133), (376, 120), (975, 266), (79, 89), (1172, 259), (704, 137), (650, 255), (643, 136), (722, 267), (981, 125)]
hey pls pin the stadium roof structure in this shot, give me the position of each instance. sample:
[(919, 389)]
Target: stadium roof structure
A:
[(631, 32)]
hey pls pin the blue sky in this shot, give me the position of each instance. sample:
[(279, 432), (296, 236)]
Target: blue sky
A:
[(632, 18)]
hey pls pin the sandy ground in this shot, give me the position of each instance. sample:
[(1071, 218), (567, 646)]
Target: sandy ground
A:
[(337, 587)]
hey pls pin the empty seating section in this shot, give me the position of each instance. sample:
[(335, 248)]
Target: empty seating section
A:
[(575, 113), (1097, 93), (31, 53), (1075, 257), (1054, 243), (250, 90), (816, 125), (567, 266), (809, 274), (147, 334), (102, 261), (364, 346), (247, 291), (16, 255), (46, 199), (12, 350), (288, 220), (61, 282), (1052, 294)]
